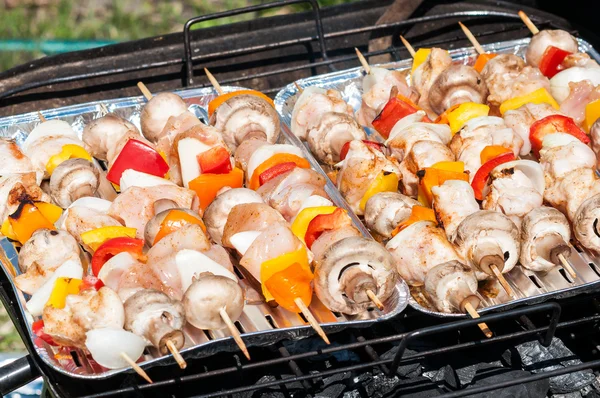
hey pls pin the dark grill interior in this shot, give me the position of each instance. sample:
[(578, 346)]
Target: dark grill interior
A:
[(412, 356)]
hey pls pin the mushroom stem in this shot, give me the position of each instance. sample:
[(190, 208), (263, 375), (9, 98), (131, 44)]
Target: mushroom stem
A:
[(474, 314), (176, 354), (363, 61), (214, 82), (234, 332), (530, 25), (566, 265), (82, 191), (375, 300), (410, 48), (311, 319), (472, 38), (136, 367), (145, 92), (488, 257)]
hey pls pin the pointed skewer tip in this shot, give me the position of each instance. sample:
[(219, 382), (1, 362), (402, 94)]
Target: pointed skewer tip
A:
[(363, 61), (408, 46), (235, 333), (375, 300), (136, 367), (145, 92), (176, 354), (213, 81), (311, 319), (299, 87), (42, 118), (530, 25), (474, 314), (472, 38)]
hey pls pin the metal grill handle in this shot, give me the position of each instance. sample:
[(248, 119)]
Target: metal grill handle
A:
[(17, 374)]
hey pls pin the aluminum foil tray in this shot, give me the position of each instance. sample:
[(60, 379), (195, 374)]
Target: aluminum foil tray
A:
[(530, 287), (261, 324)]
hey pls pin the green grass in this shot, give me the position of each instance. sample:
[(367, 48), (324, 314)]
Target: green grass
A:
[(112, 20)]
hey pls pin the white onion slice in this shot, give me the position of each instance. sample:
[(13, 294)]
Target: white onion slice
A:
[(191, 263), (483, 121), (101, 205), (55, 128), (266, 151), (108, 344), (533, 171), (557, 139), (111, 271), (559, 84), (404, 123), (243, 240), (189, 149), (133, 178), (37, 302)]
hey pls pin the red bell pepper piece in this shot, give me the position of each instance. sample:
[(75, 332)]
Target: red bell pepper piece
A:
[(91, 282), (551, 60), (38, 329), (554, 124), (484, 171), (275, 171), (137, 156), (325, 222), (371, 144), (114, 246), (395, 109), (215, 161)]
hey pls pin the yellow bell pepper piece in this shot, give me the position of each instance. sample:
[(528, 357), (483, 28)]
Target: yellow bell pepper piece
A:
[(592, 113), (457, 167), (69, 151), (7, 230), (26, 220), (300, 224), (420, 57), (62, 288), (98, 236), (296, 280), (384, 182), (461, 114), (51, 211), (538, 96)]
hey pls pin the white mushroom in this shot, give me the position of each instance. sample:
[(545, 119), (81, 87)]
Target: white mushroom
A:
[(541, 41), (327, 138), (348, 269), (157, 112), (451, 286), (385, 210), (102, 133), (246, 116), (73, 179), (456, 85), (585, 223), (545, 233)]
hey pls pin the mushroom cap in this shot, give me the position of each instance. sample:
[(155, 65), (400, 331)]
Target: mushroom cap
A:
[(502, 64), (153, 226), (327, 138), (449, 284), (385, 210), (548, 37), (157, 112), (245, 116), (542, 230), (73, 179), (156, 317), (456, 85), (585, 222), (350, 267), (207, 295), (215, 216), (595, 136), (100, 134)]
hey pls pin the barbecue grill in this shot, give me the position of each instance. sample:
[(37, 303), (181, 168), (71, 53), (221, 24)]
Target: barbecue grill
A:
[(538, 350)]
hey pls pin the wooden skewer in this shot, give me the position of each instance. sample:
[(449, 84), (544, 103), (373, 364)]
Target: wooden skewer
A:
[(213, 81), (410, 48), (502, 280), (311, 319), (104, 109), (363, 61), (567, 266), (42, 118), (472, 38), (145, 91), (474, 314), (375, 300), (530, 25), (136, 367), (299, 87), (235, 333), (176, 354)]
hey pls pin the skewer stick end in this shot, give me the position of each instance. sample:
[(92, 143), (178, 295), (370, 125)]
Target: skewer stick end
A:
[(145, 92), (472, 38), (474, 314), (311, 319), (363, 61), (213, 81), (530, 25), (408, 46), (502, 280), (299, 87), (176, 354), (235, 333), (42, 118), (375, 299), (136, 367), (567, 266)]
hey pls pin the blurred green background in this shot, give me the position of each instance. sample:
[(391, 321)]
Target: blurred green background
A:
[(30, 29)]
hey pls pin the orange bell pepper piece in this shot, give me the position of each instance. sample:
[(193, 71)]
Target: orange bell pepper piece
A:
[(207, 185), (274, 160), (175, 220), (417, 213), (482, 60), (26, 220), (217, 102), (431, 177), (492, 151)]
